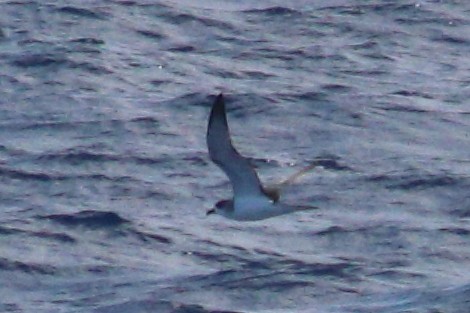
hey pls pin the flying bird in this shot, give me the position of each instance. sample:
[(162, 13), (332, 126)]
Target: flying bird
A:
[(251, 201)]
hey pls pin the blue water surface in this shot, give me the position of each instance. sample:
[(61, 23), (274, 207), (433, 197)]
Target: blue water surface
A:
[(105, 177)]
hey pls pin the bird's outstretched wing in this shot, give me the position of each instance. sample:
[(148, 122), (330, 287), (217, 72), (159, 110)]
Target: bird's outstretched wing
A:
[(274, 191), (245, 181)]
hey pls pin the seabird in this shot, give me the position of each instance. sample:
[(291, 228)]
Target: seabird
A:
[(251, 201)]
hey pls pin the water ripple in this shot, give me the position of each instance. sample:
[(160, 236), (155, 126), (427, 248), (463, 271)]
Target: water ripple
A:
[(89, 219)]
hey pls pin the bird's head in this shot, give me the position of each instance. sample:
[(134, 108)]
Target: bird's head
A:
[(223, 207)]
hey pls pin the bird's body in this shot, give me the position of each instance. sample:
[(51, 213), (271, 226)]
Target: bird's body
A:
[(251, 201), (253, 208)]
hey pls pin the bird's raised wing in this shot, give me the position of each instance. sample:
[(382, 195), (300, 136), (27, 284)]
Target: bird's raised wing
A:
[(274, 191), (245, 181)]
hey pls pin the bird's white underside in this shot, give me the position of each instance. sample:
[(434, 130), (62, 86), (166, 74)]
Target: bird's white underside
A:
[(254, 208)]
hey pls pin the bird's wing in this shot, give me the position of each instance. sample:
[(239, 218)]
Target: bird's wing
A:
[(274, 191), (245, 181)]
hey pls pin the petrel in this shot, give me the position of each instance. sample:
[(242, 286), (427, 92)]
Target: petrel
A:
[(251, 201)]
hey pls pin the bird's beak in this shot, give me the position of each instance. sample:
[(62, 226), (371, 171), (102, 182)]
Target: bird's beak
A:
[(211, 211)]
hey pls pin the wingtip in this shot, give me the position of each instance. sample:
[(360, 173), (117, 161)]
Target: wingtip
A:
[(220, 97), (217, 112), (219, 103)]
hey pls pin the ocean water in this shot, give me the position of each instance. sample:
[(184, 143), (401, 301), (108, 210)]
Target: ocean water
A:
[(105, 177)]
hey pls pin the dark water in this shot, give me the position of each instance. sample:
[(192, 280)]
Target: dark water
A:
[(105, 177)]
